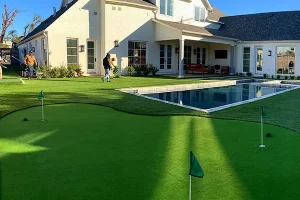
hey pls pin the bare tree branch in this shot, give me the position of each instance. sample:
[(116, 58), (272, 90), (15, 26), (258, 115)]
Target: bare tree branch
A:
[(8, 18)]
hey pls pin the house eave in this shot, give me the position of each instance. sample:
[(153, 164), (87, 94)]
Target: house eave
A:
[(131, 4), (269, 41), (214, 21), (207, 5), (32, 37), (209, 35)]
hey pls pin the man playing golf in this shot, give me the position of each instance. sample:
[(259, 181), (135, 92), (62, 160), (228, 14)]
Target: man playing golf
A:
[(107, 66), (30, 61)]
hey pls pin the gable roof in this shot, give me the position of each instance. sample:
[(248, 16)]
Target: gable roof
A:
[(263, 26), (193, 29), (50, 20)]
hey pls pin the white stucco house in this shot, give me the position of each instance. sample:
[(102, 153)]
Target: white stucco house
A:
[(167, 34)]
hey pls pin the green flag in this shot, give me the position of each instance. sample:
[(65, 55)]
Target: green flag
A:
[(263, 113), (41, 95), (195, 168)]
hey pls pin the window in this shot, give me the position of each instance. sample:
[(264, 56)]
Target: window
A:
[(136, 52), (30, 46), (221, 54), (201, 55), (246, 59), (199, 14), (286, 60), (259, 58), (166, 7), (187, 55), (72, 52), (44, 52)]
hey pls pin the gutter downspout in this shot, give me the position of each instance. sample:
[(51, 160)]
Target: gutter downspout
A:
[(45, 33)]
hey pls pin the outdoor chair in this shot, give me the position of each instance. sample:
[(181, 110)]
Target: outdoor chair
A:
[(217, 69)]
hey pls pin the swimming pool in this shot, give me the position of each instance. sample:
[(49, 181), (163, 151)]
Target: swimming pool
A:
[(216, 97)]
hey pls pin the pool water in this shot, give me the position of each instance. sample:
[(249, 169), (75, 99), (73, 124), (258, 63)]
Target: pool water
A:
[(215, 97)]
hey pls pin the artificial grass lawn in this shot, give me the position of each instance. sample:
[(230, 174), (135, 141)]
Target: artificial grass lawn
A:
[(283, 109), (93, 152)]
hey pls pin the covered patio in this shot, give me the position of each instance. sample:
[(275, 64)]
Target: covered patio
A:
[(187, 48)]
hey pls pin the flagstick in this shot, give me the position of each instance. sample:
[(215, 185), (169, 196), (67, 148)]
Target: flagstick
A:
[(262, 134), (43, 109), (190, 198)]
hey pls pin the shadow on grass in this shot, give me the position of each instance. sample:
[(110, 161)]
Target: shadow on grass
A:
[(117, 157)]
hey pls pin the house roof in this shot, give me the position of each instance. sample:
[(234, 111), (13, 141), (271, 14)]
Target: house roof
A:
[(215, 15), (273, 26), (193, 29), (46, 23), (138, 2)]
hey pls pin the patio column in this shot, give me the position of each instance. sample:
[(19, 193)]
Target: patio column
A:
[(232, 60), (181, 56)]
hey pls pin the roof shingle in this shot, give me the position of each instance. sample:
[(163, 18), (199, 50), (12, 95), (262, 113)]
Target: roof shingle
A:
[(274, 26), (46, 23), (195, 29), (215, 15)]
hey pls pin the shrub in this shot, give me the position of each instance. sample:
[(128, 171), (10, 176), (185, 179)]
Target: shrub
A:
[(45, 70), (249, 74), (54, 72), (265, 75), (78, 70), (130, 70), (272, 77), (278, 77), (63, 72), (145, 70), (137, 69), (116, 72), (153, 69), (298, 77), (71, 71), (241, 74), (285, 77), (292, 77), (236, 74)]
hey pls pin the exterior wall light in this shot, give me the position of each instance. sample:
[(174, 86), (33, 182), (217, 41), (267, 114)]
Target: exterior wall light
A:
[(269, 53), (195, 51), (116, 43), (177, 50), (81, 48)]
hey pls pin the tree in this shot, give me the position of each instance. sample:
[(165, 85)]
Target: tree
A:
[(33, 24), (13, 36), (8, 18)]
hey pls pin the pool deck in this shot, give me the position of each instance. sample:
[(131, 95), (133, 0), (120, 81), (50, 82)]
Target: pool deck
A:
[(141, 91)]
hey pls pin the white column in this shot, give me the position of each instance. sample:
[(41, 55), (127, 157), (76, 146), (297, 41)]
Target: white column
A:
[(181, 56), (232, 61)]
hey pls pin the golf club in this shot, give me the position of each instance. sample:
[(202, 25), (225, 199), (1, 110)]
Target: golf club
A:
[(3, 66)]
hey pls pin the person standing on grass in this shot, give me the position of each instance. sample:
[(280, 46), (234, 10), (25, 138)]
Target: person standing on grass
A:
[(107, 66), (30, 61)]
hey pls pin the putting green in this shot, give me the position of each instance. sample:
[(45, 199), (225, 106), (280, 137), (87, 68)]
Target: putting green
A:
[(93, 152)]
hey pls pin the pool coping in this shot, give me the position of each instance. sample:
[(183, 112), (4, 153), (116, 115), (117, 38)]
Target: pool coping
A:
[(140, 91)]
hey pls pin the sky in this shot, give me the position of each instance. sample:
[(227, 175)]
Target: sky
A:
[(229, 7)]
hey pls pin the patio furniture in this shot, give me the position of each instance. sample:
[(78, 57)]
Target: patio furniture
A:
[(225, 70), (197, 68), (217, 69)]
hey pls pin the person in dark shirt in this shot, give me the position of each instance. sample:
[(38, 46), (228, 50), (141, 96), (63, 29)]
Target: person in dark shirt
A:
[(107, 66)]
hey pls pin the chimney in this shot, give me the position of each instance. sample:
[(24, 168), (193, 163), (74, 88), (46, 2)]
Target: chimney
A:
[(54, 11)]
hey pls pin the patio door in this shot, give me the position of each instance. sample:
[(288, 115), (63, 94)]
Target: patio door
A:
[(187, 55), (259, 60), (165, 58), (91, 57)]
